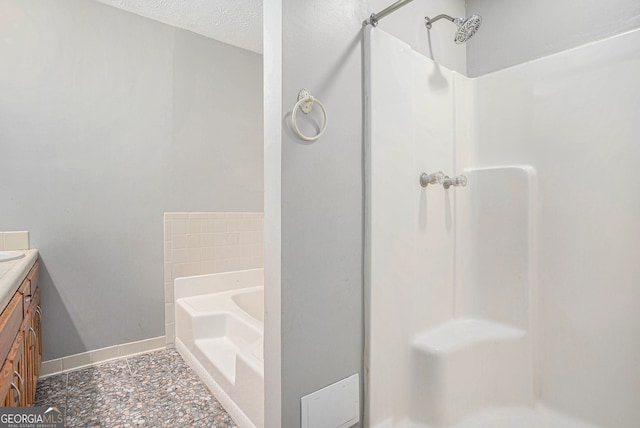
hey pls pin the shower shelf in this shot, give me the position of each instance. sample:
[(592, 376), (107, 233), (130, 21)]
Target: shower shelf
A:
[(460, 333)]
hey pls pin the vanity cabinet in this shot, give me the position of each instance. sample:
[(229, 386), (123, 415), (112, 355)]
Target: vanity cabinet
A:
[(21, 343)]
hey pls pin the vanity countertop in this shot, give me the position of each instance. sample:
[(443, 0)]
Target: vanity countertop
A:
[(12, 273)]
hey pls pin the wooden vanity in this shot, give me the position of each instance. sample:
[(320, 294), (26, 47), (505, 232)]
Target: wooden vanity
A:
[(21, 342)]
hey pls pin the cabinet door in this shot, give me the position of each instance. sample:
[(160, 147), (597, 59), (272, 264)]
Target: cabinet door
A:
[(6, 378), (15, 360), (10, 321), (36, 324), (34, 275), (30, 356)]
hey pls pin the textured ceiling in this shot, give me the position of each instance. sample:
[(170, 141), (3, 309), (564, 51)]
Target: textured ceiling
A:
[(236, 22)]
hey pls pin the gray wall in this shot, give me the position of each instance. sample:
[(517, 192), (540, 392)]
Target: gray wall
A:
[(516, 31), (321, 289), (321, 266), (107, 120)]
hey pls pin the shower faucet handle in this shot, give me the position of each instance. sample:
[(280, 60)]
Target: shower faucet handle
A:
[(457, 181), (435, 178)]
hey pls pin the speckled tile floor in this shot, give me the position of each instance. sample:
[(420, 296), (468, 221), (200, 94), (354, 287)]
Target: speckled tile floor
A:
[(157, 389)]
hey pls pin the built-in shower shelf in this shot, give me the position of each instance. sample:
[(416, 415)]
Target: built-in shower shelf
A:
[(461, 333), (468, 364)]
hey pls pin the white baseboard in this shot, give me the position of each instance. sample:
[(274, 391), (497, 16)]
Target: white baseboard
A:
[(102, 355)]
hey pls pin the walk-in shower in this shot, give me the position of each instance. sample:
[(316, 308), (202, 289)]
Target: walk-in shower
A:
[(491, 302)]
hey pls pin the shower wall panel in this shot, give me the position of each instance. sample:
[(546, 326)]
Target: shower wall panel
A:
[(410, 251), (573, 116), (571, 290)]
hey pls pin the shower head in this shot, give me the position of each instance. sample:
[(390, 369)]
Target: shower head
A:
[(467, 27)]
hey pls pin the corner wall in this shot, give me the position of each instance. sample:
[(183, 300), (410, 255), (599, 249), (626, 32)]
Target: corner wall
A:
[(108, 120), (573, 116), (516, 31)]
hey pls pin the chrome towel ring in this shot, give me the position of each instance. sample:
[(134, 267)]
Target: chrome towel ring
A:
[(305, 103)]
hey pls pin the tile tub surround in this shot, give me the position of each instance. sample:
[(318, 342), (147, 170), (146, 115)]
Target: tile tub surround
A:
[(197, 243), (152, 390), (17, 240)]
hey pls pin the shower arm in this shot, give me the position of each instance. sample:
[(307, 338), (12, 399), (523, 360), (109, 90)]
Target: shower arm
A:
[(375, 17), (428, 21)]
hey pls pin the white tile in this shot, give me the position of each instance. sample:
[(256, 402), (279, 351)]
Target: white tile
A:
[(181, 270), (167, 271), (177, 216), (208, 239), (1, 241), (131, 348), (245, 238), (104, 354), (194, 268), (207, 253), (74, 361), (219, 225), (234, 264), (169, 292), (233, 238), (208, 266), (167, 251), (179, 256), (16, 240), (179, 241), (207, 226), (233, 251), (179, 226), (223, 265), (194, 240), (154, 343), (199, 215), (256, 250), (167, 230), (194, 225), (194, 255), (51, 367), (170, 332), (221, 252), (219, 239), (168, 313), (233, 225)]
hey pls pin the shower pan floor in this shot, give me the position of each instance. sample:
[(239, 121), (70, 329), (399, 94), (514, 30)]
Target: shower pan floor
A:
[(506, 417), (522, 417)]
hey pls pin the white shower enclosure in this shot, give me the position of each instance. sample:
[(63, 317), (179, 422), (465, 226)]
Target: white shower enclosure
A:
[(513, 301)]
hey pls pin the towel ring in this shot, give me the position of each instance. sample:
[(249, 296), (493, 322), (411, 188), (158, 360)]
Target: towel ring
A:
[(305, 103)]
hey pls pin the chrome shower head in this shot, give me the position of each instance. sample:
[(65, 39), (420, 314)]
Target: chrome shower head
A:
[(467, 27)]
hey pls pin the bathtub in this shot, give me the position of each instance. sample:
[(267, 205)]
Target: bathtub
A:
[(219, 333)]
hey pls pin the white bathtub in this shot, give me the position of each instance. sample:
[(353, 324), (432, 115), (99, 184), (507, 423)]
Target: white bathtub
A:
[(219, 332)]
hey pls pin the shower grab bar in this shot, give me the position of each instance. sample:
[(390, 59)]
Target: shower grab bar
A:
[(375, 17)]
